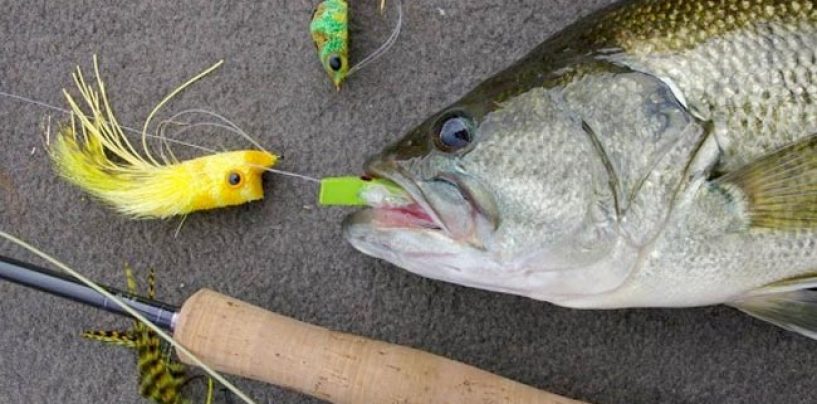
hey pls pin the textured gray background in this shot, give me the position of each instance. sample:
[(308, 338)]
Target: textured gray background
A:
[(288, 256)]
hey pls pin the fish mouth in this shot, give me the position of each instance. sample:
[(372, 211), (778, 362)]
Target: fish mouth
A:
[(450, 204), (417, 213)]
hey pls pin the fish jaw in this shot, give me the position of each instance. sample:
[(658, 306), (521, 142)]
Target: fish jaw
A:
[(409, 237), (425, 251), (447, 228), (441, 228), (416, 245)]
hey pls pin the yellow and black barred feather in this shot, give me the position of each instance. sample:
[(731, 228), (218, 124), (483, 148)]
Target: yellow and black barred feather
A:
[(160, 378), (125, 338)]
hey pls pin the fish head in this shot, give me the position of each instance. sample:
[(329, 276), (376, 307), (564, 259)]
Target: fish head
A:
[(511, 197)]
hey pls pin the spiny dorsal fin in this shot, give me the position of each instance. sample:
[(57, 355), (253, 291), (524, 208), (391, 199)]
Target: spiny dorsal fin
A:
[(790, 304), (780, 189)]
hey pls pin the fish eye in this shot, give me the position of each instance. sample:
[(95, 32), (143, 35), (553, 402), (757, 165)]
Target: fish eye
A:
[(335, 63), (234, 179), (454, 133)]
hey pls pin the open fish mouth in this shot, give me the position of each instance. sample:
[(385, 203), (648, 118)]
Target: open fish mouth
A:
[(414, 212), (406, 216), (447, 203), (390, 210)]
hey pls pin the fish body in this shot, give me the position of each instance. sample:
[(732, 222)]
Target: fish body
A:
[(330, 33), (655, 153)]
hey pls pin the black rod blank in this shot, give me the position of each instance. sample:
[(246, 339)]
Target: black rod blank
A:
[(161, 314)]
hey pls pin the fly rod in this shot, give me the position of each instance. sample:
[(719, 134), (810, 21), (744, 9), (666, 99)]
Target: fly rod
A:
[(244, 340)]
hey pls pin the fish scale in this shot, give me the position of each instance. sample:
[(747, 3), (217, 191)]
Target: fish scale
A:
[(758, 86)]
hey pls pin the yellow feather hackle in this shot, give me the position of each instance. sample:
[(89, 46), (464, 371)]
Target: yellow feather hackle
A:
[(101, 160)]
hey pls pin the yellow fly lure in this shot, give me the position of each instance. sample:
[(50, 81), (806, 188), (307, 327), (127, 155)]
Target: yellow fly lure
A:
[(99, 159), (160, 379)]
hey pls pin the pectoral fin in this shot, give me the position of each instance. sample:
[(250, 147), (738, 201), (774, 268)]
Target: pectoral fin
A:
[(780, 189), (789, 304)]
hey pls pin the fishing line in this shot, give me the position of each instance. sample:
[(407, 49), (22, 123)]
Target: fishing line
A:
[(161, 103), (126, 128), (287, 173), (230, 126), (386, 45), (91, 284)]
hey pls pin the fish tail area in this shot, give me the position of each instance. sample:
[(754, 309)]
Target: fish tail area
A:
[(790, 304), (779, 190)]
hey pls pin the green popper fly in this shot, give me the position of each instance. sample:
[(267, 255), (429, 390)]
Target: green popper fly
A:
[(330, 32)]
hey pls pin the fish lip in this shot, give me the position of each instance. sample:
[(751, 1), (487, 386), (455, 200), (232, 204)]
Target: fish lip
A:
[(393, 173)]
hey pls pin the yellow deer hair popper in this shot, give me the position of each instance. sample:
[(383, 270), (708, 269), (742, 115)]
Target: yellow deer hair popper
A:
[(99, 159)]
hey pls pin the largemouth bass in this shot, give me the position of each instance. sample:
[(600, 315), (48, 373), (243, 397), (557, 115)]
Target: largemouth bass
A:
[(656, 153)]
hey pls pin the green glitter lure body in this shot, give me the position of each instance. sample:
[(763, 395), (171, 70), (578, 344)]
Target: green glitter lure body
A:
[(330, 32)]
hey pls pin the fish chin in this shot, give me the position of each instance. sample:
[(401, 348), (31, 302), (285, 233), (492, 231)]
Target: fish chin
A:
[(430, 252), (441, 230), (416, 245), (447, 228)]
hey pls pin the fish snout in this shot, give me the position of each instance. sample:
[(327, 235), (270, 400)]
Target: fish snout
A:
[(415, 145)]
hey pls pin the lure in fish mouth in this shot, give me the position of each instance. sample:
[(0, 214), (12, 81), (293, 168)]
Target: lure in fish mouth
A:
[(442, 205), (443, 212), (439, 212), (448, 203), (623, 163)]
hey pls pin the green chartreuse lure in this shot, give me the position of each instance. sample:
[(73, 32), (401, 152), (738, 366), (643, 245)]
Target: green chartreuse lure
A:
[(330, 32)]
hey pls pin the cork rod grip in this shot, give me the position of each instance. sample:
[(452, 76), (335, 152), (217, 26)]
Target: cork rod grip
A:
[(244, 340)]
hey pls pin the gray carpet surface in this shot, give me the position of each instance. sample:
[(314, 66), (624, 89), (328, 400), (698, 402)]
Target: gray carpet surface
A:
[(284, 253)]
